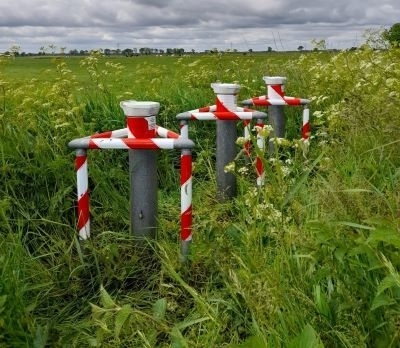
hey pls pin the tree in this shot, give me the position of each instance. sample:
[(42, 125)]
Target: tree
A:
[(52, 48), (319, 45), (14, 49), (300, 48), (392, 35), (127, 52)]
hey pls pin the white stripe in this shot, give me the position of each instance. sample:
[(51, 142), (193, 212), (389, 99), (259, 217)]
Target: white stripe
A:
[(162, 132), (228, 100), (110, 143), (306, 116), (260, 142), (272, 94), (276, 101), (261, 179), (188, 239), (204, 116), (209, 116), (120, 133), (82, 179), (186, 195), (84, 232), (247, 131), (166, 144)]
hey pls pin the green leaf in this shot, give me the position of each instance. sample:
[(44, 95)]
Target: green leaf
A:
[(301, 181), (321, 302), (307, 339), (177, 340), (382, 300), (160, 308), (121, 317), (390, 281), (184, 324), (41, 337), (2, 302), (105, 299), (355, 225), (385, 235), (251, 342)]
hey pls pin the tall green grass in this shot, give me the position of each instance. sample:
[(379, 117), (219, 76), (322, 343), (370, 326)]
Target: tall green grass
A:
[(310, 260)]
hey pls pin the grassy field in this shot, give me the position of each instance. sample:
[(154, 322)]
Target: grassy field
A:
[(311, 260)]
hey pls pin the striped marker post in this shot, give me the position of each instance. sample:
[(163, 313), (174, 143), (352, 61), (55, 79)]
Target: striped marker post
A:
[(83, 194), (276, 115), (259, 163), (141, 124), (225, 109), (140, 139), (186, 200), (306, 128), (247, 137), (275, 100)]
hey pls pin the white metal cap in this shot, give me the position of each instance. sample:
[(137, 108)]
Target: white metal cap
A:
[(225, 88), (139, 108), (274, 80)]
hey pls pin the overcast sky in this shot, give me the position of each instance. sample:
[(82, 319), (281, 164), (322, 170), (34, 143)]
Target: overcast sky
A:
[(190, 24)]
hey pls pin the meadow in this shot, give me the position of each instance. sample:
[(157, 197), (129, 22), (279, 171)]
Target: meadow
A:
[(310, 260)]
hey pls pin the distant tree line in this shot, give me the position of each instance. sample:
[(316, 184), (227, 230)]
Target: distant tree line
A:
[(51, 50), (379, 39)]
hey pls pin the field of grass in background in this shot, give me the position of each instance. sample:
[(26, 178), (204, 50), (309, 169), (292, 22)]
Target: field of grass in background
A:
[(311, 260)]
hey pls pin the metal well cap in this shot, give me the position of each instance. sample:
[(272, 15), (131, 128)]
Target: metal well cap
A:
[(139, 108), (225, 88)]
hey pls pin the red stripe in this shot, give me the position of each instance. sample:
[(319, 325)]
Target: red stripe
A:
[(259, 166), (83, 210), (247, 148), (204, 109), (260, 102), (102, 135), (93, 145), (140, 143), (220, 106), (292, 101), (186, 168), (306, 130), (186, 224), (172, 135), (80, 161), (278, 89)]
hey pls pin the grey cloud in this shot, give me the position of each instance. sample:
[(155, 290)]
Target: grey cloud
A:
[(204, 23)]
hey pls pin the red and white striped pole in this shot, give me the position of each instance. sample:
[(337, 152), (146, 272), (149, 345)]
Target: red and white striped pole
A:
[(186, 191), (83, 194), (247, 141), (261, 146), (306, 128), (141, 124), (186, 200)]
